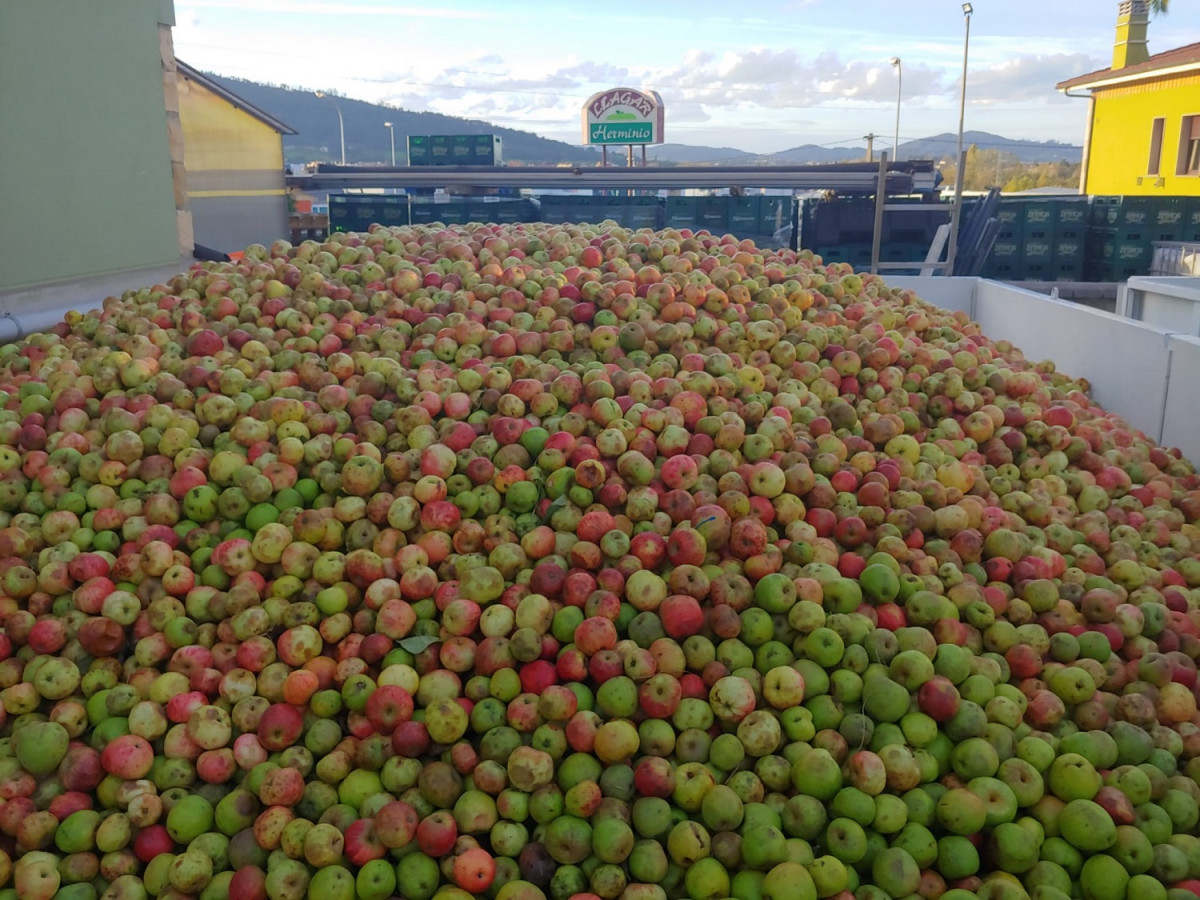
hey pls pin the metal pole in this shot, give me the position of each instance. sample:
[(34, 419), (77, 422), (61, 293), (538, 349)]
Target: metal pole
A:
[(960, 158), (962, 97), (341, 131), (899, 93), (320, 95), (880, 201), (392, 133)]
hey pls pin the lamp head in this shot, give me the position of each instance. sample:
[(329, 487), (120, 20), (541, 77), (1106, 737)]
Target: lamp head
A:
[(967, 9), (387, 124), (320, 95), (895, 60)]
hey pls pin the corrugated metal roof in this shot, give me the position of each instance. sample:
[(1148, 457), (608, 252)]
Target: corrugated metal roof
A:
[(1189, 54), (250, 109)]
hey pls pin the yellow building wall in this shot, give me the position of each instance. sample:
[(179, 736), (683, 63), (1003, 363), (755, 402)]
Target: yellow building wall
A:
[(1119, 146), (229, 153)]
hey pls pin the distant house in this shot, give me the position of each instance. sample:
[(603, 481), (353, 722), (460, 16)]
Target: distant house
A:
[(1143, 132), (233, 156)]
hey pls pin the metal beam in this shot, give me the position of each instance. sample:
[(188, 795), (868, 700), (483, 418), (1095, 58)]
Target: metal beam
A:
[(845, 178)]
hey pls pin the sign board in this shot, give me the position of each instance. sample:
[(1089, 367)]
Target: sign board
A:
[(623, 116)]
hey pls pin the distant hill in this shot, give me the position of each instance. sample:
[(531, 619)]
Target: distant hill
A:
[(944, 145), (813, 154), (807, 154), (686, 153), (936, 147), (367, 140)]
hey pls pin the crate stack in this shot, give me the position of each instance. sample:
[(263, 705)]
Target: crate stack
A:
[(1039, 239), (358, 212), (839, 230), (754, 217), (1004, 262), (1123, 230), (1191, 220)]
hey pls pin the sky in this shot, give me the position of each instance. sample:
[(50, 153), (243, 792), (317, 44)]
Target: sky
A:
[(756, 76)]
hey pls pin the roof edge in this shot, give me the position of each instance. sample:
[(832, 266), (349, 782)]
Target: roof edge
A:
[(1179, 59), (224, 93)]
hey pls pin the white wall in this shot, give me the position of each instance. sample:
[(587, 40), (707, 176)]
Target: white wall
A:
[(1181, 420), (1172, 303)]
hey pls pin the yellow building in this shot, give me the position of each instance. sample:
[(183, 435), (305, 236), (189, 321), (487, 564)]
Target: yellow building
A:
[(1143, 135), (233, 156)]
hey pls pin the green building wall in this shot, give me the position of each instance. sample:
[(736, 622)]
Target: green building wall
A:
[(85, 168)]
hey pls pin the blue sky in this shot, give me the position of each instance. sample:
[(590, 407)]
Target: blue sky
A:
[(759, 76)]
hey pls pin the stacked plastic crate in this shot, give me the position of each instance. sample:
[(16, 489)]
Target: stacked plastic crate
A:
[(1123, 231)]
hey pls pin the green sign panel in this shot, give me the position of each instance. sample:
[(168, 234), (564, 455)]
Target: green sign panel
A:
[(620, 132)]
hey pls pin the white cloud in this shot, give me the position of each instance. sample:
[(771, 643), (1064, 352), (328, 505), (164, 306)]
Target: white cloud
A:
[(1026, 78)]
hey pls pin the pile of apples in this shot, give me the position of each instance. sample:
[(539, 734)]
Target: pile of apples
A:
[(577, 562)]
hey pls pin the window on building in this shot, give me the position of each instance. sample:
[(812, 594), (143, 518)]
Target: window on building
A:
[(1156, 136), (1189, 147)]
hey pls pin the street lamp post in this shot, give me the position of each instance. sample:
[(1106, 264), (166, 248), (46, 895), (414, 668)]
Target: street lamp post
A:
[(895, 61), (958, 164), (392, 133), (341, 123)]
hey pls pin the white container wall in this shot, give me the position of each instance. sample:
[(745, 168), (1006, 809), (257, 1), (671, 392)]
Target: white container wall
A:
[(1172, 303), (1181, 417)]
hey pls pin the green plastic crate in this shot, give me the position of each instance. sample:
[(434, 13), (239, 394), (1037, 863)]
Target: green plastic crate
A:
[(680, 212), (1011, 232), (357, 212), (612, 211), (712, 213), (1067, 269), (640, 216), (1037, 250), (1010, 215), (1128, 212), (1132, 253), (1104, 210), (1168, 213), (1072, 214), (555, 209), (1191, 212), (1040, 215), (481, 211), (509, 212), (1006, 251), (455, 212), (424, 213), (745, 215), (1125, 235), (1037, 271), (1067, 249)]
